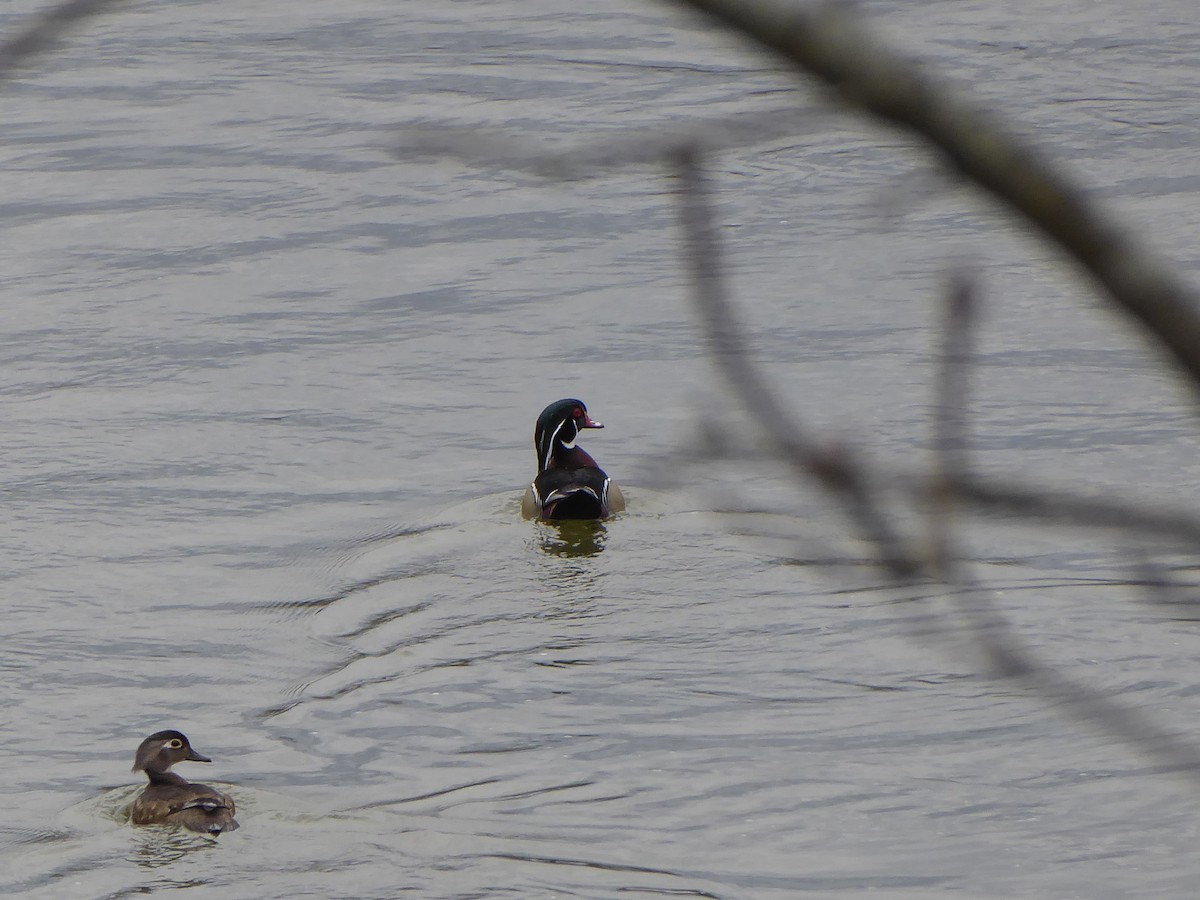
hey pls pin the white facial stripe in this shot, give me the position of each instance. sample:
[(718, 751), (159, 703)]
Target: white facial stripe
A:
[(549, 449), (550, 444)]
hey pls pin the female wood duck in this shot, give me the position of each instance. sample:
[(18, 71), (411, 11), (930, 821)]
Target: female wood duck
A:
[(168, 799), (569, 484)]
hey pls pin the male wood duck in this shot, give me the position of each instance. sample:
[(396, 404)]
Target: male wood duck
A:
[(168, 799), (569, 484)]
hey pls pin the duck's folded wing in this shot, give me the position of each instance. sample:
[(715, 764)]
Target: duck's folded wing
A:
[(204, 798), (208, 804), (211, 812)]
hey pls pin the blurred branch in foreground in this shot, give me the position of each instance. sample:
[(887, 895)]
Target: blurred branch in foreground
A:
[(607, 152), (986, 627), (834, 468), (950, 423), (829, 42), (44, 28)]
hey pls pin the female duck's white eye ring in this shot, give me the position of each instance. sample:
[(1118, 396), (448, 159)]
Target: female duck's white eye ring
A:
[(175, 743)]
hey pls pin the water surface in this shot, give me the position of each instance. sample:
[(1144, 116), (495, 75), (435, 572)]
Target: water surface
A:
[(268, 399)]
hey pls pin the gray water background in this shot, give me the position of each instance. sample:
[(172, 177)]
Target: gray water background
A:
[(268, 393)]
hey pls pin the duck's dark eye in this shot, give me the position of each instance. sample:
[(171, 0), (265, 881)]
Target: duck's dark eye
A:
[(174, 743)]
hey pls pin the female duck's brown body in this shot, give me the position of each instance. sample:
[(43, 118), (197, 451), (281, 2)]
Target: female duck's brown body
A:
[(569, 484), (171, 800)]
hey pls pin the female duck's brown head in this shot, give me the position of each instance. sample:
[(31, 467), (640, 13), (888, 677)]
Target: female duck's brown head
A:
[(170, 799), (162, 750)]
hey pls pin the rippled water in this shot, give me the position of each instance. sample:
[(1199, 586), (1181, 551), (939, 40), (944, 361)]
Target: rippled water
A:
[(268, 399)]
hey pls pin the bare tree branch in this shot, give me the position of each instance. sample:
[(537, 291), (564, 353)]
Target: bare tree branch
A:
[(599, 156), (828, 42), (1052, 505), (833, 468), (949, 426), (45, 27), (1010, 659)]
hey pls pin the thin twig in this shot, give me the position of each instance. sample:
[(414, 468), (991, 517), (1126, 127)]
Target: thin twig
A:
[(603, 153), (44, 28), (1052, 505), (834, 469), (1010, 659), (1163, 590), (949, 424)]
